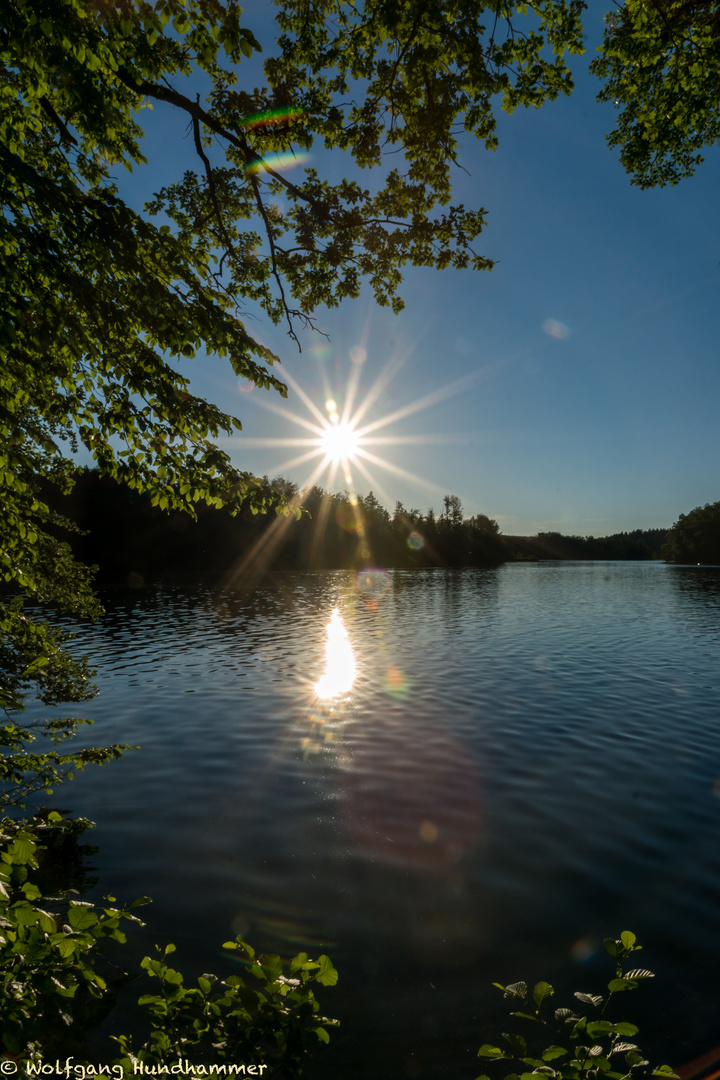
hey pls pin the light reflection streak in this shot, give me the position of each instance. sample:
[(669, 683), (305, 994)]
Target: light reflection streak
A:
[(339, 672)]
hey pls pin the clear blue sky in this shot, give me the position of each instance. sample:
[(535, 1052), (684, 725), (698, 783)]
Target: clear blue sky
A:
[(573, 388)]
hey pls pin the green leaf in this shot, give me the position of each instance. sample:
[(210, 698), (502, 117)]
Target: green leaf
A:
[(23, 914), (623, 1028), (553, 1052), (327, 975), (633, 1059), (623, 1048), (66, 947), (517, 1042), (46, 922), (81, 916), (589, 999), (22, 850), (599, 1027), (541, 992), (628, 939), (491, 1051)]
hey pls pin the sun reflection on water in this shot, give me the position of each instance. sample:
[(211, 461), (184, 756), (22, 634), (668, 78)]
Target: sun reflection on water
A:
[(339, 672)]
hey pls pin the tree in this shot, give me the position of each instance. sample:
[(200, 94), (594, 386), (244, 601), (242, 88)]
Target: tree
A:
[(484, 524), (695, 537), (660, 63), (453, 512)]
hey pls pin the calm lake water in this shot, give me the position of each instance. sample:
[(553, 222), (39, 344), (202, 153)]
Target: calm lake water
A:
[(527, 761)]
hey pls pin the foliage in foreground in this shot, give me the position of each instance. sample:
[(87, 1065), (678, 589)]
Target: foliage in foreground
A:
[(569, 1044), (56, 983)]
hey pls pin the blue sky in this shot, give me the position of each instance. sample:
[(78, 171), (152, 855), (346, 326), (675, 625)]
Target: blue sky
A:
[(573, 388)]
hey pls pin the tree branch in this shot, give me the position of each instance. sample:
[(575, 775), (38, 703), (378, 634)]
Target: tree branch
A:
[(211, 182), (65, 135), (196, 111), (275, 271)]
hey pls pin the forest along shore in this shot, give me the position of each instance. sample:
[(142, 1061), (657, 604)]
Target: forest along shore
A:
[(124, 534)]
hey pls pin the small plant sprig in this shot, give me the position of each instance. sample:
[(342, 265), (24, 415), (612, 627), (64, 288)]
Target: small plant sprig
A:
[(588, 1047)]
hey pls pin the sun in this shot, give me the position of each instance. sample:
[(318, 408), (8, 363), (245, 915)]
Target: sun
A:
[(340, 442), (338, 438)]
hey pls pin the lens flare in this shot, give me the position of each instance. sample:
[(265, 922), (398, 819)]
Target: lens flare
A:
[(374, 583), (277, 162), (271, 118), (555, 328)]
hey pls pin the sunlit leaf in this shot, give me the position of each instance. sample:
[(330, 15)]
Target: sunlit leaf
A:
[(491, 1051), (541, 992)]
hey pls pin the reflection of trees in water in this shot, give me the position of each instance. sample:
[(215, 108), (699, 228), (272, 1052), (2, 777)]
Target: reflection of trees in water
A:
[(448, 594), (64, 865), (697, 589)]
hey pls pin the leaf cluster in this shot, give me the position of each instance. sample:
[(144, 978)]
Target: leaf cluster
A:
[(582, 1046), (48, 947), (266, 1017), (56, 981), (660, 66), (37, 671)]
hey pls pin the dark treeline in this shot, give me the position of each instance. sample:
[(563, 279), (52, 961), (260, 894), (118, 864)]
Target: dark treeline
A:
[(695, 537), (638, 544), (123, 534)]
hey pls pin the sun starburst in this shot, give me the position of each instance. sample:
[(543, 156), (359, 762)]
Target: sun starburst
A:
[(340, 437), (340, 443)]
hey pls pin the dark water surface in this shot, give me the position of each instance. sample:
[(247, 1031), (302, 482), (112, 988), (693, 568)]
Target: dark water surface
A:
[(527, 761)]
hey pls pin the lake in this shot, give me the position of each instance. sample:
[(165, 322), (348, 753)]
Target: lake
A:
[(527, 761)]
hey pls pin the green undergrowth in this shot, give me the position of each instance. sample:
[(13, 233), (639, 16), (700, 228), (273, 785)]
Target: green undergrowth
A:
[(56, 984), (574, 1043)]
